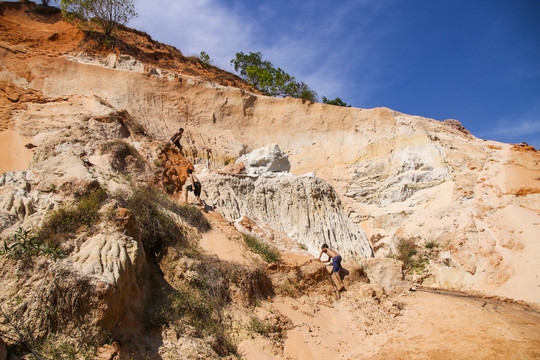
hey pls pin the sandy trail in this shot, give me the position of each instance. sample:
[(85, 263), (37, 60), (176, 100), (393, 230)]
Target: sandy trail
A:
[(428, 326), (13, 155), (224, 242)]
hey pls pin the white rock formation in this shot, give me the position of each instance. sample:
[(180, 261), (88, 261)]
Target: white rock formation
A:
[(305, 208), (268, 159)]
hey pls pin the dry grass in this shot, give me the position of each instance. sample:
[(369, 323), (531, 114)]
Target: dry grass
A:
[(159, 230), (68, 219)]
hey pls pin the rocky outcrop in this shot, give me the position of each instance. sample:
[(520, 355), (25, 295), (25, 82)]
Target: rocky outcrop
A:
[(172, 169), (305, 208), (267, 159), (82, 145)]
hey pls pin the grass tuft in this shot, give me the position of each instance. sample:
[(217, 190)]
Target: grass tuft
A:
[(268, 252), (68, 219)]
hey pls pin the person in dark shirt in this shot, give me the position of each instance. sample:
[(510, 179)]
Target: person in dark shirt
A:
[(195, 186), (175, 139)]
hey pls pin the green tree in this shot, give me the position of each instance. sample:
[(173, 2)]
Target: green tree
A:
[(205, 59), (108, 13), (337, 101), (272, 81)]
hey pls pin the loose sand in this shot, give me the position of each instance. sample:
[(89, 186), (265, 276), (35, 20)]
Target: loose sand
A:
[(13, 155), (428, 326), (223, 241)]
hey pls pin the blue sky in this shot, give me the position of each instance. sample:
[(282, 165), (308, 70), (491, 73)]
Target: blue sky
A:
[(477, 61)]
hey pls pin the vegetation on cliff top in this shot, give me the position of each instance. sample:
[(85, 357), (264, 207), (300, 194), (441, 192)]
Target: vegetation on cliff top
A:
[(268, 79), (259, 73), (107, 13)]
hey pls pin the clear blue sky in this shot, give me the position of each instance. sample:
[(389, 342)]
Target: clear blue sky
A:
[(477, 61)]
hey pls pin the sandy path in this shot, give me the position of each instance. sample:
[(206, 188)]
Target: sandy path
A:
[(429, 326), (13, 155), (217, 243), (224, 241)]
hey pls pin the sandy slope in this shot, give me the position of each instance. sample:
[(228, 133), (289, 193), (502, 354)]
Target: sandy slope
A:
[(223, 241), (429, 326), (13, 155), (366, 324)]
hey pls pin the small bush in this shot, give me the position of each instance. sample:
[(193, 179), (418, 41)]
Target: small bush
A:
[(187, 304), (158, 229), (408, 253), (431, 245), (195, 308), (406, 249), (205, 59), (262, 328), (68, 219), (25, 246), (268, 252)]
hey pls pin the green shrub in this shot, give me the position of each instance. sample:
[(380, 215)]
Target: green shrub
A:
[(158, 229), (195, 308), (25, 246), (187, 304), (268, 252), (261, 327), (68, 219), (431, 245), (406, 249), (65, 351), (408, 253), (337, 102)]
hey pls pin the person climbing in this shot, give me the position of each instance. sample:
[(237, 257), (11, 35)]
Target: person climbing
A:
[(195, 186), (336, 265), (175, 139)]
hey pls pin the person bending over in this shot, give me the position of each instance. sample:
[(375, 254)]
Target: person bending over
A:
[(195, 186), (335, 261)]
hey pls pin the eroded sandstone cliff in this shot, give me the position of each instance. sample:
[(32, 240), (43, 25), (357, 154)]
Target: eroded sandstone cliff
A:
[(398, 176), (96, 118)]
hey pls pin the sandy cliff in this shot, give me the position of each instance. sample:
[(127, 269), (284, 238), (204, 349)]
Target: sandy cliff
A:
[(78, 117), (398, 176)]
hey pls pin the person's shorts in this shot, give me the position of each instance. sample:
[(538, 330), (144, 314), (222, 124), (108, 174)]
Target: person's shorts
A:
[(336, 262), (198, 188)]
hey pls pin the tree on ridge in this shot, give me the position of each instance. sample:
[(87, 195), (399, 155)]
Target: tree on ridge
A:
[(262, 75), (108, 13)]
